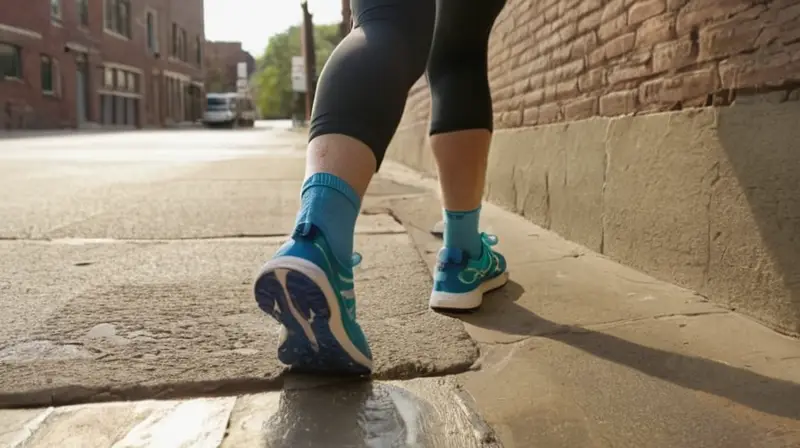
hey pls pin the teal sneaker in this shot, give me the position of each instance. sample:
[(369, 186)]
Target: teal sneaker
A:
[(308, 291), (460, 282)]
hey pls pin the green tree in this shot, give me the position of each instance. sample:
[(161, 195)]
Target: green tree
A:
[(272, 80)]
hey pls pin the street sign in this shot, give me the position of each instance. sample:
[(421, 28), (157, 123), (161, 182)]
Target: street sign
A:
[(298, 74), (241, 84), (241, 70)]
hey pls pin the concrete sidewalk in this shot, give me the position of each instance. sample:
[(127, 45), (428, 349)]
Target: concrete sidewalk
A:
[(145, 294), (579, 351)]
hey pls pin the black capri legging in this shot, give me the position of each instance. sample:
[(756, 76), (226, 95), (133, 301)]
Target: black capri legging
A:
[(363, 87)]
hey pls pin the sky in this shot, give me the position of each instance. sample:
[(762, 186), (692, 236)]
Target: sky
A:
[(253, 21)]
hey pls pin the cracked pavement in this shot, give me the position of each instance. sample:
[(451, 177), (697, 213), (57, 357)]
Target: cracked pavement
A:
[(126, 276)]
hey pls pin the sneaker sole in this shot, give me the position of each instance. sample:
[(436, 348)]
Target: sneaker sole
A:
[(297, 294), (449, 301)]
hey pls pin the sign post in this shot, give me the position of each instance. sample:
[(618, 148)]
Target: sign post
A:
[(299, 90)]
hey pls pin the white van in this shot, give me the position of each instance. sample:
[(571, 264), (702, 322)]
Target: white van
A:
[(230, 110)]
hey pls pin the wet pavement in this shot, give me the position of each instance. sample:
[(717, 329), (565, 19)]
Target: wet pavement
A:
[(419, 413)]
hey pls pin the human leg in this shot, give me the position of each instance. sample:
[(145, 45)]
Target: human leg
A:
[(461, 129), (308, 285)]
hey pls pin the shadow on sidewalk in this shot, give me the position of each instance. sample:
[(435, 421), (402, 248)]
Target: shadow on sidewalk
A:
[(759, 392)]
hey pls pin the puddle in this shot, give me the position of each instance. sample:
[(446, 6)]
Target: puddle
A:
[(368, 414)]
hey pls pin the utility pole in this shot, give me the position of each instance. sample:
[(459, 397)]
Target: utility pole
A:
[(309, 56), (347, 18)]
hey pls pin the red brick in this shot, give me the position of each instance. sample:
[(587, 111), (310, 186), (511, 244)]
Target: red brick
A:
[(551, 13), (698, 13), (650, 92), (550, 113), (590, 22), (530, 116), (789, 32), (672, 55), (587, 6), (509, 119), (690, 85), (675, 5), (645, 9), (580, 109), (613, 27), (611, 10), (619, 45), (747, 71), (618, 103), (679, 87), (570, 70), (728, 38), (534, 98), (657, 29), (592, 80), (559, 56), (581, 46), (567, 89), (624, 73)]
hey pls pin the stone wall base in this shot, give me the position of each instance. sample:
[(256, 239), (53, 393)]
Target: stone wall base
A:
[(706, 198)]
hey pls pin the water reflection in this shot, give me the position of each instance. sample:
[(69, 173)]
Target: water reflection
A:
[(361, 414)]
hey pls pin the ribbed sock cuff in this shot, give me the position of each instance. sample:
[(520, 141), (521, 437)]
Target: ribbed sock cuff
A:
[(335, 183)]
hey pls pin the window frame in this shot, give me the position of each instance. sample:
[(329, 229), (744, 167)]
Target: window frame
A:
[(113, 21), (56, 10), (198, 51), (46, 67), (184, 45), (174, 40), (17, 54), (83, 12), (151, 32)]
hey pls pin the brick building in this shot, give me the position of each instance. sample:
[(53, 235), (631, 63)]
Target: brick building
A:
[(660, 133), (79, 63), (221, 60)]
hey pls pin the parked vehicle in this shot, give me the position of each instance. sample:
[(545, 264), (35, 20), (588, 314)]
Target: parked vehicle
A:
[(229, 110)]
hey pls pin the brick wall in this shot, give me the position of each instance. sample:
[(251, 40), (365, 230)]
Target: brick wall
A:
[(221, 60), (32, 29), (562, 60)]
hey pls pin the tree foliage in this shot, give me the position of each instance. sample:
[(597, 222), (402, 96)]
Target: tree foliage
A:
[(272, 80)]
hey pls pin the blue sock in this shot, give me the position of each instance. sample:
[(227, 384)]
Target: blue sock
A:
[(461, 231), (331, 205)]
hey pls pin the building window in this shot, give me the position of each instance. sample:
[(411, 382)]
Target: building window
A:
[(174, 51), (132, 82), (48, 83), (184, 46), (108, 79), (83, 12), (198, 56), (118, 17), (121, 80), (152, 33), (10, 61), (55, 9)]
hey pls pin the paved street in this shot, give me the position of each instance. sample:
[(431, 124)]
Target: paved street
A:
[(128, 318)]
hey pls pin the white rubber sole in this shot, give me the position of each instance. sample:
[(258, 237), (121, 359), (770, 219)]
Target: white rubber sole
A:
[(318, 276), (466, 301)]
